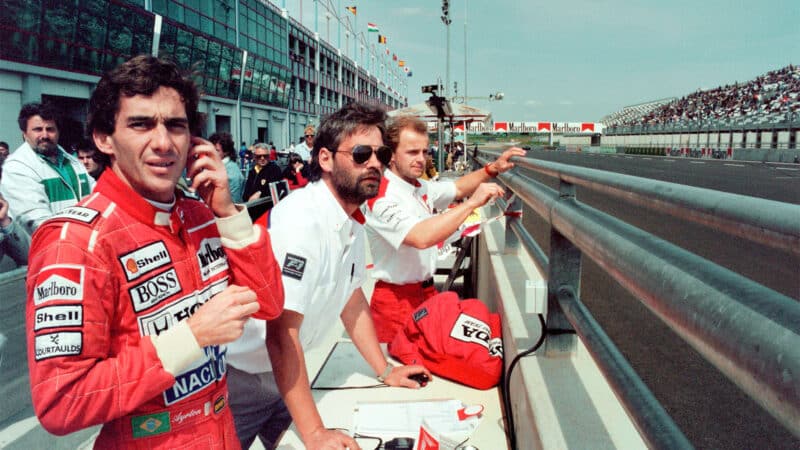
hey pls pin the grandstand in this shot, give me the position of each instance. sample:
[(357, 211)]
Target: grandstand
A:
[(634, 113), (767, 100)]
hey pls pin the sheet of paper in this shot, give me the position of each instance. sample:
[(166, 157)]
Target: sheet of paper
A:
[(394, 419)]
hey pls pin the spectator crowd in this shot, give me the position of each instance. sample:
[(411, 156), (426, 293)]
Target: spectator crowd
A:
[(771, 97)]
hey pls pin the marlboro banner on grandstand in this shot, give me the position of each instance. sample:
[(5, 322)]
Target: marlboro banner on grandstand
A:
[(478, 127), (541, 127)]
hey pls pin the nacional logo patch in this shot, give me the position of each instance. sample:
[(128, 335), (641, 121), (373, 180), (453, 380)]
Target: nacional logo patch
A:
[(294, 266), (63, 343), (150, 425), (470, 329), (59, 282), (58, 316), (144, 260), (79, 213)]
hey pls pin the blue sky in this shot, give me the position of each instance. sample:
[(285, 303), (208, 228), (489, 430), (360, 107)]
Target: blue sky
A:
[(576, 60)]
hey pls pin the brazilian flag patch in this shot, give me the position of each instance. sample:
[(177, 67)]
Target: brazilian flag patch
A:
[(150, 425)]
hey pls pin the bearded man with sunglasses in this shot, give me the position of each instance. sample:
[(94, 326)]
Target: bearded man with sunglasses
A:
[(318, 238), (404, 229)]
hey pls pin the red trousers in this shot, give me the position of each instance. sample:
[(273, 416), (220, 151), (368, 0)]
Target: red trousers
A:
[(392, 304)]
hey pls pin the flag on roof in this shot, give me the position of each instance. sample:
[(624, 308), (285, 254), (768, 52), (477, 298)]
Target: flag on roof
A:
[(381, 39), (406, 69), (387, 51), (394, 56), (372, 28), (352, 9), (401, 63), (409, 73)]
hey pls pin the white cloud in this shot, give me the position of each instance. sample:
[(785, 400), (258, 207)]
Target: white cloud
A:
[(533, 102), (565, 102)]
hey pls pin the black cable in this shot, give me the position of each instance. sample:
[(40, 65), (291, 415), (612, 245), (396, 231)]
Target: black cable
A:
[(512, 435)]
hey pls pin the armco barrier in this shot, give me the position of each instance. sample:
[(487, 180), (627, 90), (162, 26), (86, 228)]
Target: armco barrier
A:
[(749, 332)]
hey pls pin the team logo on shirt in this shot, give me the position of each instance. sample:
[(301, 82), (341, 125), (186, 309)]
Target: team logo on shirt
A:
[(294, 266), (144, 260), (211, 258), (58, 344), (78, 213), (58, 316), (164, 318), (470, 329), (419, 315), (153, 290), (59, 282)]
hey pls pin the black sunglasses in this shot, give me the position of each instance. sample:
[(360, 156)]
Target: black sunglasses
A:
[(260, 156), (362, 153)]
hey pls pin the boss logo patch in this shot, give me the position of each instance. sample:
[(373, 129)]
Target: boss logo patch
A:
[(294, 266), (144, 260), (58, 344), (59, 282), (58, 316), (152, 291)]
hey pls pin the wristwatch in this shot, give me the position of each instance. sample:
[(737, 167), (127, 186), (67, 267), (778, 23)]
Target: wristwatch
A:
[(386, 372)]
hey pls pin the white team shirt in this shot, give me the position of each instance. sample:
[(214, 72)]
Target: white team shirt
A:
[(322, 255), (391, 215)]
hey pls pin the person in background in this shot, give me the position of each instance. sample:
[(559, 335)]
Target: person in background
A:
[(273, 152), (15, 242), (133, 293), (40, 178), (261, 175), (95, 162), (223, 142), (303, 148), (317, 234), (3, 155), (293, 173), (403, 230)]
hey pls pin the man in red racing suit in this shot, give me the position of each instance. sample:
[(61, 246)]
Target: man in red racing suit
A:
[(118, 287)]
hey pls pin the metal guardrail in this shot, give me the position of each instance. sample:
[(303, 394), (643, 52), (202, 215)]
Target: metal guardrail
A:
[(748, 331)]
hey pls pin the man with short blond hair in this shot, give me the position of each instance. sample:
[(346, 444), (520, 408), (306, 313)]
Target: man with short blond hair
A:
[(404, 227)]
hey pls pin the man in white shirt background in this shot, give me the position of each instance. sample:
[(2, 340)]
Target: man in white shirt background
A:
[(317, 237)]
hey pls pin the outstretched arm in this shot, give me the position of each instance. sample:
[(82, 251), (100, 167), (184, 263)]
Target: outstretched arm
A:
[(291, 376), (467, 184)]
